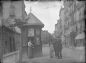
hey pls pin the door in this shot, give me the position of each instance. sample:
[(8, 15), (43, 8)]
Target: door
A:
[(37, 43)]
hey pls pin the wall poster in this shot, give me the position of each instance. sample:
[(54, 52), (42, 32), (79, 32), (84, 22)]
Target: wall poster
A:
[(30, 32)]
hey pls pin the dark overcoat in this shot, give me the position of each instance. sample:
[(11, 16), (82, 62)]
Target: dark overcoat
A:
[(57, 45)]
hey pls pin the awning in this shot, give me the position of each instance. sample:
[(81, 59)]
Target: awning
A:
[(80, 36)]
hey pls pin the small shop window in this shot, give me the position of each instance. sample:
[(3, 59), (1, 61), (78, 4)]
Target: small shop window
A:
[(37, 32), (30, 32)]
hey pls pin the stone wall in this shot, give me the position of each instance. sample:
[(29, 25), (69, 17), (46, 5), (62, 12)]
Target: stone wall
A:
[(11, 57)]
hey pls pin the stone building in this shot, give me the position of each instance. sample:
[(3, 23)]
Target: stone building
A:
[(45, 37), (32, 31), (79, 19), (10, 37), (68, 24), (58, 29), (72, 18)]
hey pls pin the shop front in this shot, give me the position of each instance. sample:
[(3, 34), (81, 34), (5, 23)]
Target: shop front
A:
[(80, 39), (32, 30)]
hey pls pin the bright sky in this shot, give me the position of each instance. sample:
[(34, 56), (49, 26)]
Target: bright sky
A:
[(47, 12)]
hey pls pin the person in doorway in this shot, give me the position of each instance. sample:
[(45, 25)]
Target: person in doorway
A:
[(30, 44), (57, 48), (30, 49)]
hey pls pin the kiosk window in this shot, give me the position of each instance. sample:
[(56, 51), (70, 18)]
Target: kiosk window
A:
[(30, 32), (37, 32), (37, 41)]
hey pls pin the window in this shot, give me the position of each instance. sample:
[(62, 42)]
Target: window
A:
[(37, 41), (38, 32), (30, 32), (77, 15), (10, 40), (12, 11), (81, 13)]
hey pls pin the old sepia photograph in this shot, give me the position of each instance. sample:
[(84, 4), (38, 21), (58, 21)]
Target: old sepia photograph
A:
[(42, 31)]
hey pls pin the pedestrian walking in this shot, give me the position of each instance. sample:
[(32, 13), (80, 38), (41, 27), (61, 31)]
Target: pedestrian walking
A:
[(57, 48)]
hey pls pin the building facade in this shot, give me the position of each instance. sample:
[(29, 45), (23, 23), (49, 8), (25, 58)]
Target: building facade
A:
[(72, 20), (79, 19), (10, 37), (58, 29)]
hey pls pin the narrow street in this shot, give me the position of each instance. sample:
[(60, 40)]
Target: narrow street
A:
[(29, 29), (69, 56)]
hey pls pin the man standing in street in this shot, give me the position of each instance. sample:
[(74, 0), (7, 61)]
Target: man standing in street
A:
[(60, 48), (57, 48)]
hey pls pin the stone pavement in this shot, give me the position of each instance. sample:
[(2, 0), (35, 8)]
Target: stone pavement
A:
[(75, 54), (48, 60), (70, 55)]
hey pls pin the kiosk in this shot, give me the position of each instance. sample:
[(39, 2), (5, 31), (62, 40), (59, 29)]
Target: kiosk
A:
[(32, 30)]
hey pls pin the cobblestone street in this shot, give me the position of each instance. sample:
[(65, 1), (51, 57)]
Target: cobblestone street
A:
[(70, 55), (42, 31)]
